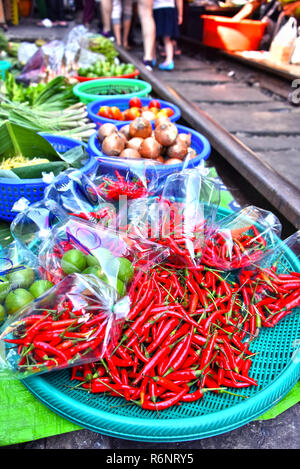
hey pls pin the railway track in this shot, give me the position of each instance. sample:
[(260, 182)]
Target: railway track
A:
[(247, 116)]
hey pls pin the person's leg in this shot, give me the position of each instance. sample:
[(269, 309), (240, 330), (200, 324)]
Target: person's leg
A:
[(55, 10), (116, 20), (51, 10), (88, 12), (168, 64), (106, 12), (148, 28), (127, 16), (169, 49)]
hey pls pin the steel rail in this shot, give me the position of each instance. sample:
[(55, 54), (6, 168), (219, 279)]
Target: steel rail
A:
[(279, 192)]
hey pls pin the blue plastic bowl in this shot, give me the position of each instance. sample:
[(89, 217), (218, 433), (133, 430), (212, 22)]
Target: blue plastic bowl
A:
[(122, 104), (33, 189), (109, 165)]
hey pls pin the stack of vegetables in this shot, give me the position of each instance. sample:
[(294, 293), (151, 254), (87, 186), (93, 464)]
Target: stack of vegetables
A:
[(50, 108), (165, 144), (105, 69)]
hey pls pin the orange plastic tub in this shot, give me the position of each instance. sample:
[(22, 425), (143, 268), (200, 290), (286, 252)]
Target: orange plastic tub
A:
[(225, 33)]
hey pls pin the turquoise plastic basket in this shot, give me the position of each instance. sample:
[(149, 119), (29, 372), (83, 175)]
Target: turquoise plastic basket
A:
[(109, 88), (276, 368)]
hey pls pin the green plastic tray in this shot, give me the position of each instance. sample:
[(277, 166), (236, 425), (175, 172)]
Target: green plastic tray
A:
[(276, 367), (111, 88)]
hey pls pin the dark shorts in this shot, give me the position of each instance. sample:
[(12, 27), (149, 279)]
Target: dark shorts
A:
[(166, 21)]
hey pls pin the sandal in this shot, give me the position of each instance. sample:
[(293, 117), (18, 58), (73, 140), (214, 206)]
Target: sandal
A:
[(61, 24), (45, 23), (166, 66)]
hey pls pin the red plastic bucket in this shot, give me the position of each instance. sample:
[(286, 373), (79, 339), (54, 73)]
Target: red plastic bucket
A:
[(225, 33)]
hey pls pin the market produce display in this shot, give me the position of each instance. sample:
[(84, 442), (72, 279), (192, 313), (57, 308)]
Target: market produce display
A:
[(160, 310), (105, 69), (163, 144)]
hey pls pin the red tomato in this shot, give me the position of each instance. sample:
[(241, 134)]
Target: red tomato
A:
[(154, 103), (155, 110), (162, 113), (116, 113), (105, 111), (169, 111), (135, 102), (131, 114)]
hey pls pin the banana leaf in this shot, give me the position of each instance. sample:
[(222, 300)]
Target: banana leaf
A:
[(16, 140)]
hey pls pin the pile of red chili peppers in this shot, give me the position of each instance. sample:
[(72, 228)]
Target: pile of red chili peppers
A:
[(189, 331), (113, 189)]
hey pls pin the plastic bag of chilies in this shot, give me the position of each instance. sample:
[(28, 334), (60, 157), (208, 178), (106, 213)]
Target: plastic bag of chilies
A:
[(77, 194), (181, 217), (79, 320), (20, 281), (241, 239), (272, 286), (78, 246), (130, 182)]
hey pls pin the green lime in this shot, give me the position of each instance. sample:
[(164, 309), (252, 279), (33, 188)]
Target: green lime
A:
[(121, 287), (17, 299), (73, 261), (92, 260), (39, 287), (126, 270), (97, 272), (91, 270), (23, 277), (4, 288), (2, 313)]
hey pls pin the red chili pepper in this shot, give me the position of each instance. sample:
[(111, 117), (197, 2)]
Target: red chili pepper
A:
[(167, 329), (164, 404), (153, 362), (178, 356), (167, 383), (51, 350)]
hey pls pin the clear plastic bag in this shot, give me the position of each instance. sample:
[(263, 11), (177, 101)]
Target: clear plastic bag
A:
[(77, 321), (34, 68), (78, 246), (25, 51), (128, 183), (72, 43), (34, 223), (77, 194), (283, 44), (241, 239), (181, 217), (20, 279)]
